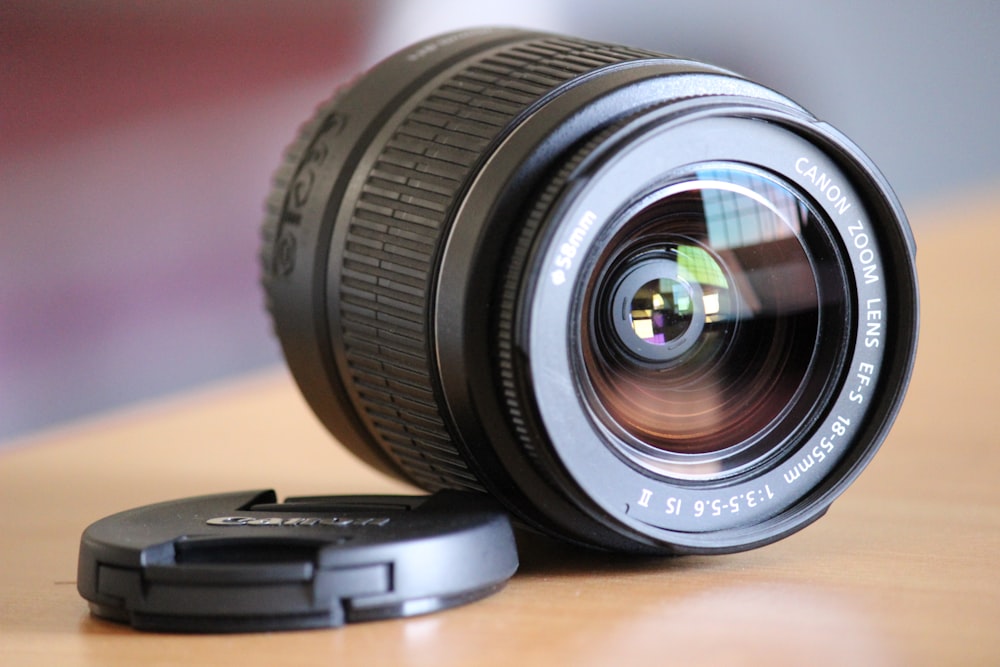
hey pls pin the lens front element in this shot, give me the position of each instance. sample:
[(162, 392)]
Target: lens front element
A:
[(703, 345)]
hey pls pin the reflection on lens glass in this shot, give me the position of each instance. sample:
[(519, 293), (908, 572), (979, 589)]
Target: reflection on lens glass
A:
[(661, 311), (703, 322)]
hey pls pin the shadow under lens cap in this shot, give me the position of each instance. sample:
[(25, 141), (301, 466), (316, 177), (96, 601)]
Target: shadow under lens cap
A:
[(242, 562)]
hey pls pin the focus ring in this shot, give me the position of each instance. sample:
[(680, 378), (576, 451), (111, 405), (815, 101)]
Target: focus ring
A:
[(398, 226)]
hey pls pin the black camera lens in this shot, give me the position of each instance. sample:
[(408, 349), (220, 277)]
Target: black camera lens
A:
[(648, 304)]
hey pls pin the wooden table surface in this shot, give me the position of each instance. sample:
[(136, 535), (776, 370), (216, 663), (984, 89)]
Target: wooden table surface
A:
[(901, 571)]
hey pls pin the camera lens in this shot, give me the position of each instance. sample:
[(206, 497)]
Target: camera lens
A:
[(648, 304), (701, 345)]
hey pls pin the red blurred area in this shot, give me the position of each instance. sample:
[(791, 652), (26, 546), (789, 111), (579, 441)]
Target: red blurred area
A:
[(136, 146), (71, 67)]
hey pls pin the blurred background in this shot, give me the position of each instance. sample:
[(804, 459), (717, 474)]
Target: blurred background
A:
[(137, 142)]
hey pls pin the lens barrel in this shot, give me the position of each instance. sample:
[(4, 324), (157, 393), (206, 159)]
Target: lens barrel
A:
[(648, 304)]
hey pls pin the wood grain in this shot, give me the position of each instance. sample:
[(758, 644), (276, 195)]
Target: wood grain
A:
[(900, 572)]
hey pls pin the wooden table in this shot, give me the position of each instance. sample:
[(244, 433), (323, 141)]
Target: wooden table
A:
[(902, 571)]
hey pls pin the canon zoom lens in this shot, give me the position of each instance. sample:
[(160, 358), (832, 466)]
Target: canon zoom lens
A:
[(648, 304)]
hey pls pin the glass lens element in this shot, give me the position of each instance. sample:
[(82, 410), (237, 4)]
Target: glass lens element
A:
[(702, 324), (661, 310)]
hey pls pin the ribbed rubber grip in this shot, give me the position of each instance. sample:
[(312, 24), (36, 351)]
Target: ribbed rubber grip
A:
[(398, 226)]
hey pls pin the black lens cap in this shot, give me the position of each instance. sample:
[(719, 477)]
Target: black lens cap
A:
[(243, 562)]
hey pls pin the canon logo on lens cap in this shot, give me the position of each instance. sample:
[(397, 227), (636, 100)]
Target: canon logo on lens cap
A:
[(340, 522)]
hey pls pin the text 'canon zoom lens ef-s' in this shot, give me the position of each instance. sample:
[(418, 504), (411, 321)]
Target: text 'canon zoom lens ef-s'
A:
[(648, 304)]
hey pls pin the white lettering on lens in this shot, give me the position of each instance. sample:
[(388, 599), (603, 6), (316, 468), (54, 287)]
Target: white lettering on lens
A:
[(824, 184), (866, 255), (873, 323), (718, 506), (838, 429), (864, 378), (569, 248), (834, 194)]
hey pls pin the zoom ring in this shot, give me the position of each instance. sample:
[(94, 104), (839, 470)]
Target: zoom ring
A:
[(399, 224)]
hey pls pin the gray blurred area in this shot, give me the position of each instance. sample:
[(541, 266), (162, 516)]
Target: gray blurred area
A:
[(137, 143), (915, 83)]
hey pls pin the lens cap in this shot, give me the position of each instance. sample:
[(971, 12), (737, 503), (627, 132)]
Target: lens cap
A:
[(243, 562)]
